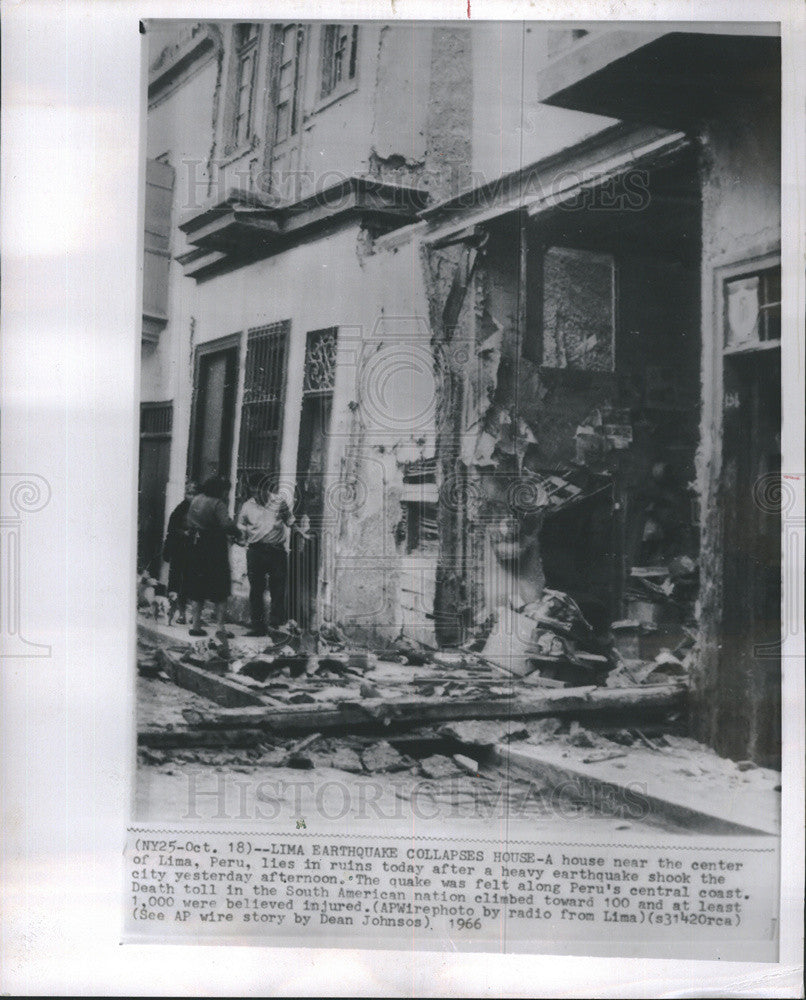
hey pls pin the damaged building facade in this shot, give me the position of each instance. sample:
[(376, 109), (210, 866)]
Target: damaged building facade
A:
[(280, 157), (721, 88), (489, 347)]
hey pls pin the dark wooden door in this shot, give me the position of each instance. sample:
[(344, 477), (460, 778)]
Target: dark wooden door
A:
[(750, 664)]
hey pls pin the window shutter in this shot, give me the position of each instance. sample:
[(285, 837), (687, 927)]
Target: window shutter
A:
[(328, 52), (158, 204)]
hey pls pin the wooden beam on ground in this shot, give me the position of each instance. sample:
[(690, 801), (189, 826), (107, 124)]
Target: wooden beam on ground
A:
[(638, 701), (218, 689)]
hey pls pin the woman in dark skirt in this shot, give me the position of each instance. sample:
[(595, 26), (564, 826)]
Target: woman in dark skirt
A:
[(175, 552), (208, 576)]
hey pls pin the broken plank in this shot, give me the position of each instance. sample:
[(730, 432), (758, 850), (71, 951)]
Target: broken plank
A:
[(540, 702), (287, 719), (417, 711), (302, 744)]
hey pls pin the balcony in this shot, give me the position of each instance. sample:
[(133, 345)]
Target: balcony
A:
[(243, 227)]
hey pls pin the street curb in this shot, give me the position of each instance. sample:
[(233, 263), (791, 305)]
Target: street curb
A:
[(582, 781)]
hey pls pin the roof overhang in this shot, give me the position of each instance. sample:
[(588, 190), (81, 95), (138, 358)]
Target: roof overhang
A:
[(244, 227), (676, 79)]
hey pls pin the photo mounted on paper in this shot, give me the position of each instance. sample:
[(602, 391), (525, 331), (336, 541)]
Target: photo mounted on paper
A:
[(460, 494)]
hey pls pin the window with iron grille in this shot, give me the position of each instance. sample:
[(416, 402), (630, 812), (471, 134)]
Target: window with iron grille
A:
[(263, 400), (246, 53), (320, 361), (339, 57), (289, 40), (156, 419)]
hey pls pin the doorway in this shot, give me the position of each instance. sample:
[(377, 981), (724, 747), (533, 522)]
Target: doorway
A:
[(216, 384), (750, 664)]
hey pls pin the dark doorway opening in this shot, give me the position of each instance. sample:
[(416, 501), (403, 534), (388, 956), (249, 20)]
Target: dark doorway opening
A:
[(216, 385), (750, 661)]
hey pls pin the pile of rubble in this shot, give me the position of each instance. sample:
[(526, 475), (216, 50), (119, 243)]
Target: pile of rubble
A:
[(332, 690), (451, 750), (539, 699), (550, 642), (305, 700)]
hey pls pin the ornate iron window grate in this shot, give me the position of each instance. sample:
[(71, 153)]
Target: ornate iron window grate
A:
[(419, 507), (320, 361)]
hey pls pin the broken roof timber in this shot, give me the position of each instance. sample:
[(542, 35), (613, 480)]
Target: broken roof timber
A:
[(553, 180)]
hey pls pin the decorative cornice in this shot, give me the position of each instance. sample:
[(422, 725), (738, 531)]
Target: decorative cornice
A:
[(153, 325)]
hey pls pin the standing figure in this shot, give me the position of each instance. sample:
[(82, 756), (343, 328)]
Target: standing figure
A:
[(175, 552), (208, 576), (264, 522)]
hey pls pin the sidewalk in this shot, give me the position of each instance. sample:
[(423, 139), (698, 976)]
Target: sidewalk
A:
[(162, 634), (694, 788)]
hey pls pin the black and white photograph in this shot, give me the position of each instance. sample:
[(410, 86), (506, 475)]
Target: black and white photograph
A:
[(460, 487), (464, 599)]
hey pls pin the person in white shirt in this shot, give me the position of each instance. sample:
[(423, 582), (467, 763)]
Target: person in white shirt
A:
[(264, 522)]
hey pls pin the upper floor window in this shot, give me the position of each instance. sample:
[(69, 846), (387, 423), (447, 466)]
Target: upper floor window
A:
[(339, 55), (246, 50), (753, 308), (289, 40)]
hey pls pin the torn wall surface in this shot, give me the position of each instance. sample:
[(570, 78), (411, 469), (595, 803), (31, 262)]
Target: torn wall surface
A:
[(570, 471)]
